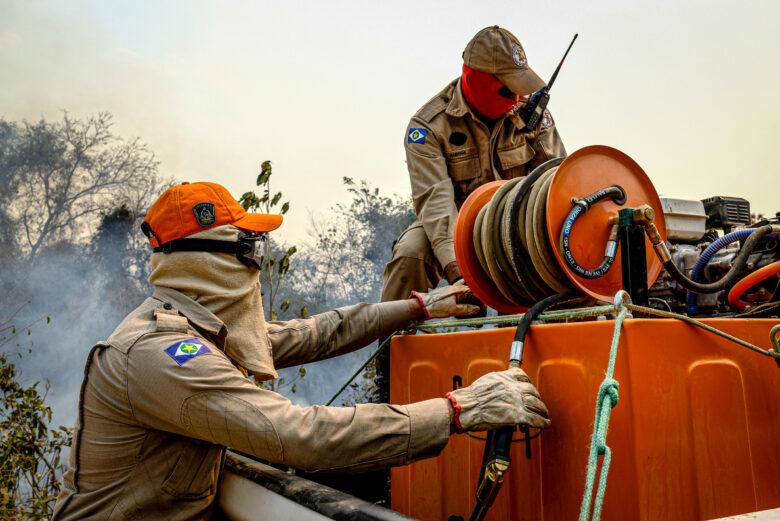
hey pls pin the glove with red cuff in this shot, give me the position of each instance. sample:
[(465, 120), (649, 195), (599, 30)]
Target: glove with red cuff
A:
[(496, 400), (446, 301)]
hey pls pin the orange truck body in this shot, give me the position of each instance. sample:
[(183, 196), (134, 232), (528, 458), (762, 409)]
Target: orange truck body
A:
[(695, 434)]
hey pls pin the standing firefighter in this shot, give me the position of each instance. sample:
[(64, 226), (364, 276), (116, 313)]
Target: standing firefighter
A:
[(169, 390), (469, 134)]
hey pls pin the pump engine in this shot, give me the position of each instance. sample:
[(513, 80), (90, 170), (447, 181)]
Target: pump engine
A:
[(704, 238)]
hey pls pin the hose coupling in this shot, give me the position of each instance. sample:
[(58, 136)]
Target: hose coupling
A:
[(516, 353), (658, 244), (582, 203), (663, 252), (644, 214), (652, 234), (494, 477), (612, 244)]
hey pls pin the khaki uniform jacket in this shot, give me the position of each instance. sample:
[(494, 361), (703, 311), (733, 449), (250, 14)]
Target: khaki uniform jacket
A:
[(153, 424), (459, 153)]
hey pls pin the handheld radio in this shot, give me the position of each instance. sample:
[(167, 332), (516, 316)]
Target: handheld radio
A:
[(533, 110)]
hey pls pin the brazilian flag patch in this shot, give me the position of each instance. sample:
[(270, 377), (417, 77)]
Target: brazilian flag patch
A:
[(417, 135), (186, 350)]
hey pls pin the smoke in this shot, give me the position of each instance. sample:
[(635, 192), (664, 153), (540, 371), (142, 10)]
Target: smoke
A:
[(86, 289), (77, 291), (72, 289)]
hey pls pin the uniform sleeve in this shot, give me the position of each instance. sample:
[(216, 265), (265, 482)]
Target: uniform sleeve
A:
[(336, 332), (432, 191), (547, 144), (207, 398)]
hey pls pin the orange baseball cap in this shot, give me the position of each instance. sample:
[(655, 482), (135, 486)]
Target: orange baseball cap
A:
[(192, 207)]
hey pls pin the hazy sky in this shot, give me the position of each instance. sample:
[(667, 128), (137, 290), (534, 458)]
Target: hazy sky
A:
[(688, 88)]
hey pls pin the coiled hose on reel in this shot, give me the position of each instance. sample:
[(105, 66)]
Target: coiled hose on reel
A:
[(511, 244), (503, 246)]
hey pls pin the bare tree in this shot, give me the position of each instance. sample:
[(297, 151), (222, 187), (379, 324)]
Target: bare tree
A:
[(62, 176), (348, 255)]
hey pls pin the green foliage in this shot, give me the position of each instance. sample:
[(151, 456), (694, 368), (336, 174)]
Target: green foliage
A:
[(30, 467), (283, 385), (276, 266), (72, 194), (344, 265)]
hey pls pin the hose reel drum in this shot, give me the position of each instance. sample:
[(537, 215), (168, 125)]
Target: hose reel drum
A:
[(508, 236)]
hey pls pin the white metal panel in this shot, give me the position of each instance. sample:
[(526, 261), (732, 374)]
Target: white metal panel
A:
[(244, 500)]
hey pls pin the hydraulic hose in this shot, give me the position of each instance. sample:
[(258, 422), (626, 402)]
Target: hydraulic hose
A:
[(705, 258), (581, 206), (739, 262), (496, 459), (516, 354)]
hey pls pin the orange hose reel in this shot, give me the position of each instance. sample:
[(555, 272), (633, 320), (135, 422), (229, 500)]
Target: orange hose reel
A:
[(582, 173)]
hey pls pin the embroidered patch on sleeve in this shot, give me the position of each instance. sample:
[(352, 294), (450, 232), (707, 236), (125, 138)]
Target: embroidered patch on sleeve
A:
[(186, 350), (547, 120), (417, 135)]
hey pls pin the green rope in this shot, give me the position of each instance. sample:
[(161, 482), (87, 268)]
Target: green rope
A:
[(354, 375), (607, 399), (711, 329), (602, 310), (775, 351), (608, 390)]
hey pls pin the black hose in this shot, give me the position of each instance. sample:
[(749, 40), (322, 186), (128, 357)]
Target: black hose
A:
[(537, 309), (581, 206), (733, 273), (499, 441)]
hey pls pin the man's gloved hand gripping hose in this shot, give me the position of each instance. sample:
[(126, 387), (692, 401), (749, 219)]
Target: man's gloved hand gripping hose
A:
[(519, 404)]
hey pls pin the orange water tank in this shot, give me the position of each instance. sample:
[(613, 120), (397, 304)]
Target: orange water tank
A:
[(695, 434)]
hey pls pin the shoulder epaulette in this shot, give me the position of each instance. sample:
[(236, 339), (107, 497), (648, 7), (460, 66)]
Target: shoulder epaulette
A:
[(436, 104)]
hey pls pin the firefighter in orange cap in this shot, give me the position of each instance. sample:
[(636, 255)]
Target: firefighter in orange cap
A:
[(169, 390)]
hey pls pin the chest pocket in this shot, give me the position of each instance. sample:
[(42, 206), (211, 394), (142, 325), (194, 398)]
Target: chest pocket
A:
[(463, 167), (513, 161), (194, 474)]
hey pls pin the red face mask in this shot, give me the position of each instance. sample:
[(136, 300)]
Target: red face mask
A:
[(481, 90)]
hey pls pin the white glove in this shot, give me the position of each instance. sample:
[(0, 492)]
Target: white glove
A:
[(447, 301), (498, 400)]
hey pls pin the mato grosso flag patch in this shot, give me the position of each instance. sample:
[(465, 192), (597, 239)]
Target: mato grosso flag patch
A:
[(186, 350), (417, 135)]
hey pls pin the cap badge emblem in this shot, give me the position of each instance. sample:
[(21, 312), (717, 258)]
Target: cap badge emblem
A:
[(547, 120), (519, 57), (204, 213)]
